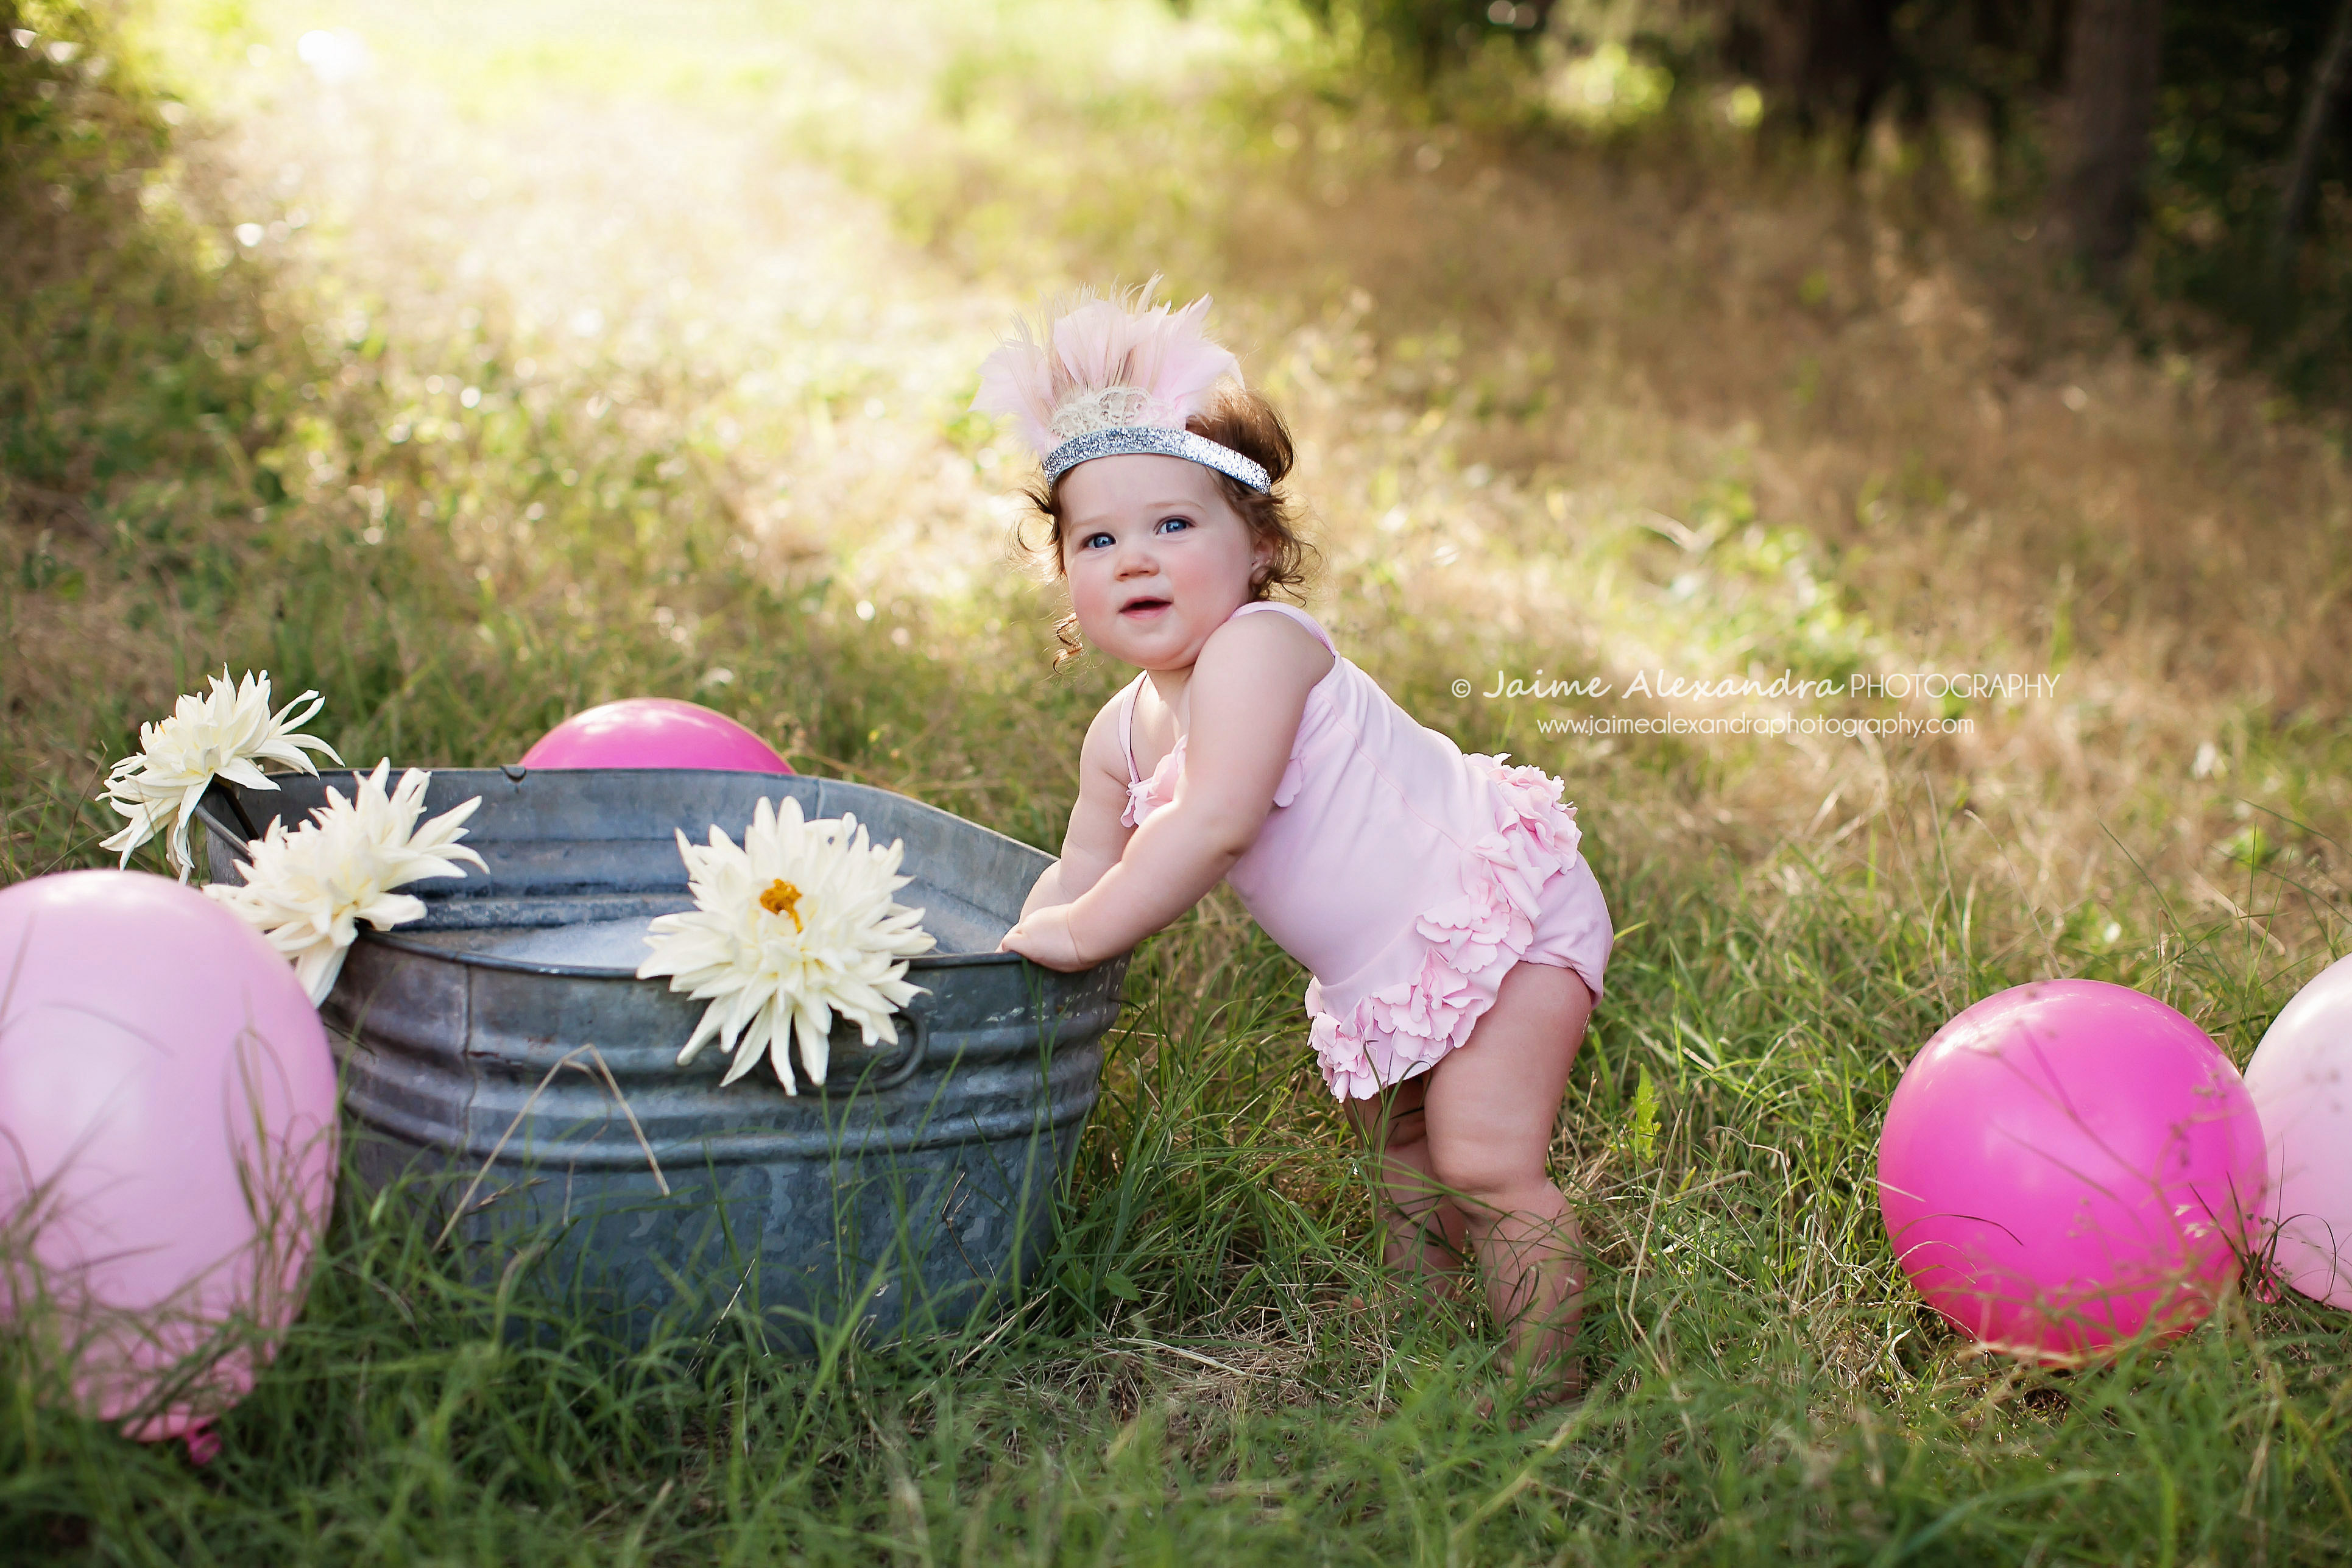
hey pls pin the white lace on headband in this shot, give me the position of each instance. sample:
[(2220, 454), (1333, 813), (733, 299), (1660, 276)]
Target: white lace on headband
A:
[(1113, 377)]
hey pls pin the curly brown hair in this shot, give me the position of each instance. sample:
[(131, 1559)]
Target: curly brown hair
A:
[(1243, 420)]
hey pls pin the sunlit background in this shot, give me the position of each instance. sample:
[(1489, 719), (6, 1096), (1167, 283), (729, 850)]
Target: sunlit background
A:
[(596, 297), (476, 363)]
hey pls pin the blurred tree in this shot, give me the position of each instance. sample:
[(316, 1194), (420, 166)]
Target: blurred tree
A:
[(1418, 38), (2209, 137), (2113, 53), (2329, 78), (2009, 56), (14, 81), (1823, 63)]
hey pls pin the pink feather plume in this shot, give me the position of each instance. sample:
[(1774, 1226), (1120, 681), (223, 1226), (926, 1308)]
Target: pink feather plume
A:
[(1096, 344)]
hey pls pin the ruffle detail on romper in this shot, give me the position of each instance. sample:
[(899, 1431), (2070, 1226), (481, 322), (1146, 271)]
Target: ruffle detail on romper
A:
[(1472, 942), (1145, 796)]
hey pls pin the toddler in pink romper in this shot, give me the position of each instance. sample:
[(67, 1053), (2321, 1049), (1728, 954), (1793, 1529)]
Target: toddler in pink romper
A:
[(1410, 878), (1407, 877)]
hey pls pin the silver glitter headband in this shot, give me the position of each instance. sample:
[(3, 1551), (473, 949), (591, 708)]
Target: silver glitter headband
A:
[(1122, 440)]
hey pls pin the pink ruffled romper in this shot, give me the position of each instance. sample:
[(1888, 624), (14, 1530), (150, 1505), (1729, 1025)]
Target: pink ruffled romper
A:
[(1406, 877)]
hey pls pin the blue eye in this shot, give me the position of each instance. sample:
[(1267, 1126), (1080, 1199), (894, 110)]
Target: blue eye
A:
[(1095, 541), (1170, 524)]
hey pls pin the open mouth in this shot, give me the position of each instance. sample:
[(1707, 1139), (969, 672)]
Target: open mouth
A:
[(1143, 605)]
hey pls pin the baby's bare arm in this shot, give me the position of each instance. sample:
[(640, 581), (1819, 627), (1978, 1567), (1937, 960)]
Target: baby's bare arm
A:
[(1096, 837), (1247, 693)]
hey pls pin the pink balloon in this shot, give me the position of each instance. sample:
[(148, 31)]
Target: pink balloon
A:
[(2301, 1079), (167, 1141), (654, 733), (2067, 1164)]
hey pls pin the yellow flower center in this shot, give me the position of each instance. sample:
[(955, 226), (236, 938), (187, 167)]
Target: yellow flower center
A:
[(783, 898)]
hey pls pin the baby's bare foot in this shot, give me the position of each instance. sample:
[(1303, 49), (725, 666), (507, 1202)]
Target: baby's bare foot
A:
[(1566, 1387), (1431, 1292), (1524, 1405)]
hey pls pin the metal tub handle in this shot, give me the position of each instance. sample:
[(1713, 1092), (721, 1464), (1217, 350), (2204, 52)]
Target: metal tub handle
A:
[(917, 1029)]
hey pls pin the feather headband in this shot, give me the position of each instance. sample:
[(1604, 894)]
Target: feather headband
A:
[(1113, 376)]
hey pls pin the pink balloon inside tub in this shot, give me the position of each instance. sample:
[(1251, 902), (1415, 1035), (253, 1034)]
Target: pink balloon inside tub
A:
[(654, 733), (2067, 1166), (167, 1106)]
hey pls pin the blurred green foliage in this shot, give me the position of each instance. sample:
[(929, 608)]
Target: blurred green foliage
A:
[(1416, 39), (104, 287), (2236, 79), (1926, 75)]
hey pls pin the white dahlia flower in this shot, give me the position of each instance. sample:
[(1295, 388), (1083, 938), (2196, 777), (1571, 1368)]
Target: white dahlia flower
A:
[(307, 890), (795, 926), (230, 734)]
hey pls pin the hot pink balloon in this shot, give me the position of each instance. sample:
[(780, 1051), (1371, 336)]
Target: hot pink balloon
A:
[(654, 733), (167, 1141), (2067, 1164), (2300, 1079)]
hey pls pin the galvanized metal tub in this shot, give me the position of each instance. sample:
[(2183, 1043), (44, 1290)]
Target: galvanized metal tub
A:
[(501, 1060)]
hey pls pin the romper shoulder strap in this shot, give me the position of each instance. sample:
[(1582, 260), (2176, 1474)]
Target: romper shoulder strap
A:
[(1127, 722), (1295, 613)]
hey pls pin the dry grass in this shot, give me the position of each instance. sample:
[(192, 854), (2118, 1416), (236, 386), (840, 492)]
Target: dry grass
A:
[(1974, 489), (1508, 368), (719, 292)]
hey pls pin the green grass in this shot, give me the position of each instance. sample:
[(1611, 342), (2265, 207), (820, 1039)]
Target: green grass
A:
[(1208, 1368), (1767, 1388)]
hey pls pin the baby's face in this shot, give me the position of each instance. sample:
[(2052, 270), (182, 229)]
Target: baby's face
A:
[(1156, 557)]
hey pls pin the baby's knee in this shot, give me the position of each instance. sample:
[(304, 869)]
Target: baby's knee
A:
[(1484, 1178)]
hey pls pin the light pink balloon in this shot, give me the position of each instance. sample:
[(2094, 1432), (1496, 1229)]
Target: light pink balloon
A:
[(167, 1141), (2300, 1079), (2067, 1164), (654, 733)]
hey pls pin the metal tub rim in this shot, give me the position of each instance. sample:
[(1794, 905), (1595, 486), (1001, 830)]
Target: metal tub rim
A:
[(394, 938), (223, 811)]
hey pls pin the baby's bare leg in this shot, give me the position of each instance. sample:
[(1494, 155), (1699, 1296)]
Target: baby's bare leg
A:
[(1489, 1112), (1426, 1237)]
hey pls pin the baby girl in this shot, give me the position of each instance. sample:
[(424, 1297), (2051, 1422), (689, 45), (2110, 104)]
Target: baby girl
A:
[(1454, 937)]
